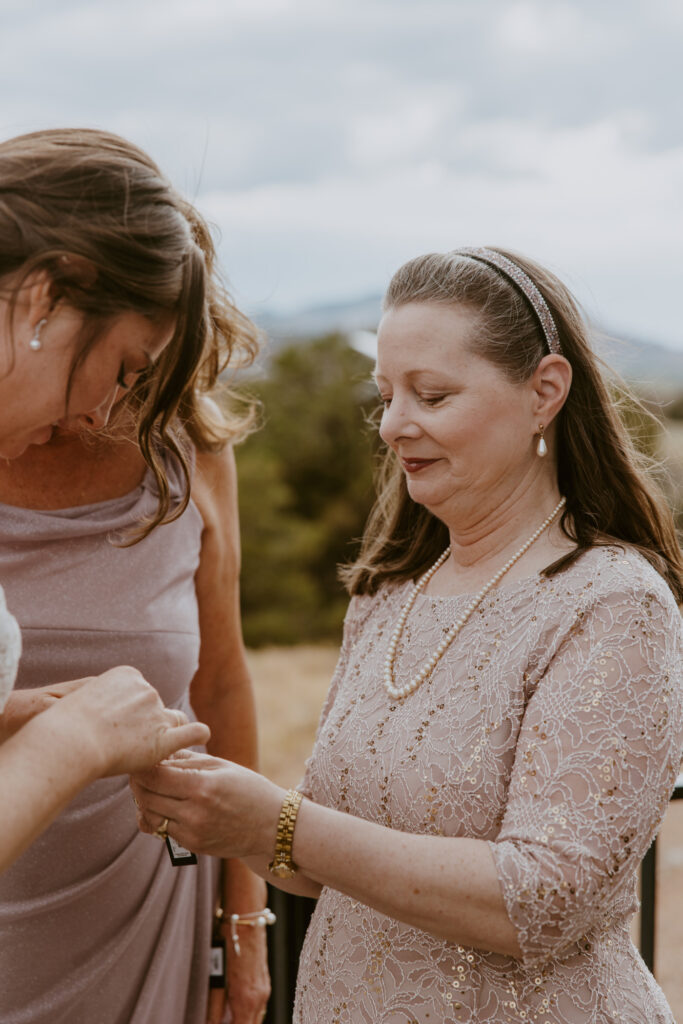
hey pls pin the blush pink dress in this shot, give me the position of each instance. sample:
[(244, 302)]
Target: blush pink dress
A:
[(96, 926), (551, 729)]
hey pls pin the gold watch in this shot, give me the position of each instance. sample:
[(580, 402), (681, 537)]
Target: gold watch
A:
[(282, 864)]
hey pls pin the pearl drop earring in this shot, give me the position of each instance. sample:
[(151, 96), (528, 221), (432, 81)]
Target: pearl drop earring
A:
[(35, 344), (541, 447)]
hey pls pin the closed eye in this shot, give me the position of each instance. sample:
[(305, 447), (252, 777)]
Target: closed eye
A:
[(128, 379), (432, 399)]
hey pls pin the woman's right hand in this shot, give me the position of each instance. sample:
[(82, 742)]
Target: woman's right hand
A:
[(128, 727)]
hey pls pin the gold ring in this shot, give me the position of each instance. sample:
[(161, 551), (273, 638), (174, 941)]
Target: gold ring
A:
[(161, 831)]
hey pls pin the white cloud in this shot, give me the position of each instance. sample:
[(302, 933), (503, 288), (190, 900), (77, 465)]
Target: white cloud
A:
[(550, 29), (601, 213), (331, 139), (379, 137)]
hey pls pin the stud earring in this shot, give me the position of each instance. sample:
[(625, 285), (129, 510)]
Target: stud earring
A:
[(35, 344), (541, 447)]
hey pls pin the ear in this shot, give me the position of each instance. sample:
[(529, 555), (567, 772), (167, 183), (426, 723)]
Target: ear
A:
[(44, 289), (550, 384), (37, 296)]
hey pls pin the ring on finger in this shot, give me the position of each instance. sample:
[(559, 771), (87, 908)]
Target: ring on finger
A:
[(161, 832)]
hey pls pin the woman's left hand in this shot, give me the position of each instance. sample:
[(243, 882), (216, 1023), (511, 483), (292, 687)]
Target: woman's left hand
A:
[(212, 806), (248, 983)]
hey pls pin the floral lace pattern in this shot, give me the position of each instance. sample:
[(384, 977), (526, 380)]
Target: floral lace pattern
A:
[(552, 729), (10, 650)]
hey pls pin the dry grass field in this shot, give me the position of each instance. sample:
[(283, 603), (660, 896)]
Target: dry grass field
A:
[(291, 684)]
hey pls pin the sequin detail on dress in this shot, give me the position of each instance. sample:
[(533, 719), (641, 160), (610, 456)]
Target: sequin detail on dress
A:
[(552, 729)]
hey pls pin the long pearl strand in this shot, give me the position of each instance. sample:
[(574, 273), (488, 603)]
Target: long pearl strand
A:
[(404, 691)]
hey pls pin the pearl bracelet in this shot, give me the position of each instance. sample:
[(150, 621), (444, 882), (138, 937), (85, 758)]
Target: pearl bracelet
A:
[(257, 919)]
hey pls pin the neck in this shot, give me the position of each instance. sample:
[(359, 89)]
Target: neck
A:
[(71, 469), (482, 533)]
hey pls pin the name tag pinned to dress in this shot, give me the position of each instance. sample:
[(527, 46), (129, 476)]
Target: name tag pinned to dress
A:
[(178, 854)]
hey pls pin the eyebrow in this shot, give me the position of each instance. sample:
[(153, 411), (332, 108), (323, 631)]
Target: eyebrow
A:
[(433, 372)]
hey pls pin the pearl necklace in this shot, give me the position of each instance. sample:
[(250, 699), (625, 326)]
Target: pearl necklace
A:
[(404, 691)]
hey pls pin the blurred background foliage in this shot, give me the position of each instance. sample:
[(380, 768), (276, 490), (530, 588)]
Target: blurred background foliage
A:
[(306, 484), (305, 481)]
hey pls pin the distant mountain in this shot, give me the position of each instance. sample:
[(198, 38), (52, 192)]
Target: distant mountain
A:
[(345, 317), (651, 366), (648, 365)]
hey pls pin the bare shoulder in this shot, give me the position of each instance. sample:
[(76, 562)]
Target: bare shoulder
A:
[(214, 485)]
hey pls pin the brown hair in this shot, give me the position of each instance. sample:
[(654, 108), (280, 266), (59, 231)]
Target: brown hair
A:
[(610, 497), (79, 198)]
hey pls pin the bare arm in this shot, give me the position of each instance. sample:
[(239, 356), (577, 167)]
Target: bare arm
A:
[(42, 768), (448, 887), (222, 696), (23, 705), (111, 724), (221, 691)]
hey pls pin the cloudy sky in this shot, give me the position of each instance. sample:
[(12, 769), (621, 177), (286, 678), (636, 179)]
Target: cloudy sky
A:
[(329, 140)]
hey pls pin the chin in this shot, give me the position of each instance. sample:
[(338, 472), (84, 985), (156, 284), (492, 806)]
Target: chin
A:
[(423, 494), (12, 449)]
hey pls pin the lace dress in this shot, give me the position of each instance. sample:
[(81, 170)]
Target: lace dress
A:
[(10, 650), (552, 729)]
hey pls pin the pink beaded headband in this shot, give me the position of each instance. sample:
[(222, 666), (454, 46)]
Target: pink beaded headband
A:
[(525, 285)]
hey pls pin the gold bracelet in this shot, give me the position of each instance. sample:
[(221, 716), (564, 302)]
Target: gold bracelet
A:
[(282, 864)]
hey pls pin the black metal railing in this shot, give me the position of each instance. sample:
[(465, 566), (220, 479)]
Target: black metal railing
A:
[(286, 938), (648, 894)]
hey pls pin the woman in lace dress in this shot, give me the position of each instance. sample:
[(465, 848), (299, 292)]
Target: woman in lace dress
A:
[(90, 295), (504, 727)]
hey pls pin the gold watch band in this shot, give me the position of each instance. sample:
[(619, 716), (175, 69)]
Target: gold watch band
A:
[(282, 864)]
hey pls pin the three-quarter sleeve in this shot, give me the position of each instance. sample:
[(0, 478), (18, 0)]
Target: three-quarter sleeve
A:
[(596, 759)]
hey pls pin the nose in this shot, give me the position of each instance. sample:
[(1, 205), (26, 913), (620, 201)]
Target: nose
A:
[(96, 419), (397, 421)]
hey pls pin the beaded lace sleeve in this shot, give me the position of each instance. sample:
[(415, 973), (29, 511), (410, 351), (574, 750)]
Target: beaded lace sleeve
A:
[(596, 760), (10, 651)]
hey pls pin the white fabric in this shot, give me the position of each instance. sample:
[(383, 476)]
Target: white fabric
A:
[(10, 650)]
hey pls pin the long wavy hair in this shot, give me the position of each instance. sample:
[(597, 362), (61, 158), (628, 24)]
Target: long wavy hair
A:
[(96, 214), (611, 495)]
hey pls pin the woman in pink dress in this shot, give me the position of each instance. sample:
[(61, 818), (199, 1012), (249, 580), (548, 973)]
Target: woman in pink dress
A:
[(504, 727), (99, 276), (96, 924)]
